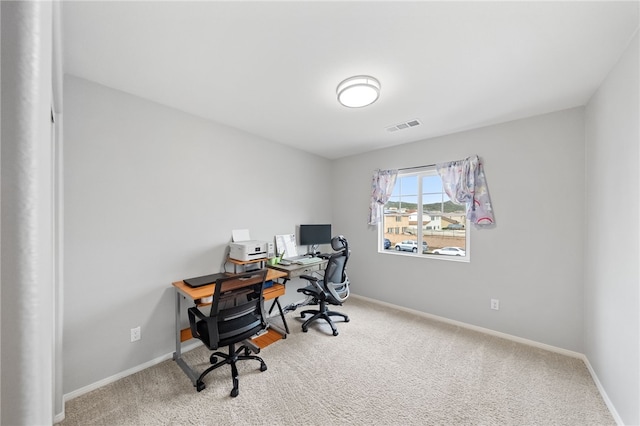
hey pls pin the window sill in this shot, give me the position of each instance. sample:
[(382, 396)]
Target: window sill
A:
[(463, 259)]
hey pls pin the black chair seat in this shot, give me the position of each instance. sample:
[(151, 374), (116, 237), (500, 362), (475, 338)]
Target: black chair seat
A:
[(231, 325)]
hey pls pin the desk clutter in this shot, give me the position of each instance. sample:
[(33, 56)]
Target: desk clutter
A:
[(228, 312)]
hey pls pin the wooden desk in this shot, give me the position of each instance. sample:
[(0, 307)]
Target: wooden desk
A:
[(197, 295)]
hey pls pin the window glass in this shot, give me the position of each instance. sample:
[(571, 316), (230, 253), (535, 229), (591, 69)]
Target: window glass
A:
[(420, 220)]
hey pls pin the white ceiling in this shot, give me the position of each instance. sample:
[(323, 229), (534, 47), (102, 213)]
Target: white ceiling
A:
[(271, 68)]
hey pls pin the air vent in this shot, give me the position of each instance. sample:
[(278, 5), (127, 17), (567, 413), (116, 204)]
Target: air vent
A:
[(405, 125)]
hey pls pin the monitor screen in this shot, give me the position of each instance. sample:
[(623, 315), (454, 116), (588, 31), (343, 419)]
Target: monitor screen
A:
[(315, 234)]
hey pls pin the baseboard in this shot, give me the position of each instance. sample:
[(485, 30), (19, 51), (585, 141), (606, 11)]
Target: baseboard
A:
[(78, 392), (67, 397), (71, 395), (603, 393), (475, 328), (513, 338)]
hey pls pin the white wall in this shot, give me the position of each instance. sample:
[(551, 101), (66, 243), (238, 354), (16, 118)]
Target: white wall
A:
[(531, 261), (612, 294), (26, 216), (151, 197)]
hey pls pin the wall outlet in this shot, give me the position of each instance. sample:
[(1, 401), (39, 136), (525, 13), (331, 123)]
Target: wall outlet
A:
[(495, 304), (135, 334)]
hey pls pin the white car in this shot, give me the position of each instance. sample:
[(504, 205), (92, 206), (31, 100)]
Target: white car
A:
[(450, 251), (411, 245)]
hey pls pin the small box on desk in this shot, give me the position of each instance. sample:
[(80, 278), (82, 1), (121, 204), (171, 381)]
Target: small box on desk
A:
[(268, 284)]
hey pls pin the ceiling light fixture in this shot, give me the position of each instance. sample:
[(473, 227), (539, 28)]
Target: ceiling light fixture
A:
[(358, 91)]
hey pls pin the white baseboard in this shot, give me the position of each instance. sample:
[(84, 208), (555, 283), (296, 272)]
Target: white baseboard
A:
[(476, 328), (603, 393), (513, 338), (76, 393), (67, 397)]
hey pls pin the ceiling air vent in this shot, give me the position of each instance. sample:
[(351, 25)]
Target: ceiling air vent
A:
[(405, 125)]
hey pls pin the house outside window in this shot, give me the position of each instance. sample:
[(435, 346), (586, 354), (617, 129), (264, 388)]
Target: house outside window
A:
[(432, 225)]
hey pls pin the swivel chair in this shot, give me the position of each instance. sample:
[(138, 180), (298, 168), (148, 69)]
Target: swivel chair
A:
[(331, 288), (237, 313)]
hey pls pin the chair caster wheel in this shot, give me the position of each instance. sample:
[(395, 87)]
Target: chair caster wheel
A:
[(213, 359), (200, 386), (234, 393), (346, 319), (304, 330), (263, 367), (335, 333)]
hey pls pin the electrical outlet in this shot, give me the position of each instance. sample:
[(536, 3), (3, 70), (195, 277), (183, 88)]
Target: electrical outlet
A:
[(495, 304), (135, 334)]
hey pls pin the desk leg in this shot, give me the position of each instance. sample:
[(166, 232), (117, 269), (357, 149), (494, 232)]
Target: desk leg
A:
[(284, 320), (177, 355), (278, 329)]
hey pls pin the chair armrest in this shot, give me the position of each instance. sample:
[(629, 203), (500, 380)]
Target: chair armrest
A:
[(317, 291), (309, 278), (212, 327), (193, 313)]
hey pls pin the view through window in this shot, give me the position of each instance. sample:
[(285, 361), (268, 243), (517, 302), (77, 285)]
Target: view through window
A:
[(420, 219)]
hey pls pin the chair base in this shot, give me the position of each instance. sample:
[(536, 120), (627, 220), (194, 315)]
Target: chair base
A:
[(231, 358), (325, 314)]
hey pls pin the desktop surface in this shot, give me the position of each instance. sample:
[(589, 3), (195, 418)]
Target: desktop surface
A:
[(294, 270)]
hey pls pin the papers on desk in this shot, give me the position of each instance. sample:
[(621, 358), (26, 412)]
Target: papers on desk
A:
[(287, 244)]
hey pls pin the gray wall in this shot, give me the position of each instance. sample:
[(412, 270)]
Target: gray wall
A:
[(612, 293), (151, 197), (531, 261), (134, 169)]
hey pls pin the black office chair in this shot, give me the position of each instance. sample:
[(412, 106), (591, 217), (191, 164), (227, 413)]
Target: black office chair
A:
[(237, 313), (331, 288)]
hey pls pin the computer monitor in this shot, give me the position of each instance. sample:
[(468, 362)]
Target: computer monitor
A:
[(314, 235)]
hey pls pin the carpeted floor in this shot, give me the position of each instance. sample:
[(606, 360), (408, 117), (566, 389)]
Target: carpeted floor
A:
[(386, 367)]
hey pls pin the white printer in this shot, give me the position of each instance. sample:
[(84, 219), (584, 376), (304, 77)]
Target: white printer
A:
[(248, 250)]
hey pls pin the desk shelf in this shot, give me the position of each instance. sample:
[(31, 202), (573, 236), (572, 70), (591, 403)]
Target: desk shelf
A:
[(262, 262), (264, 340)]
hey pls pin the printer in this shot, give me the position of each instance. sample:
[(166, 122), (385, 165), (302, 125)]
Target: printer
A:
[(248, 250)]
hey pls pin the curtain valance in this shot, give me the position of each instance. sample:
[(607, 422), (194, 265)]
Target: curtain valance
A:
[(465, 184)]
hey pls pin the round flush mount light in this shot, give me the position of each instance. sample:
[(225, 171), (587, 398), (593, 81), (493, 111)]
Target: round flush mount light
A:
[(358, 91)]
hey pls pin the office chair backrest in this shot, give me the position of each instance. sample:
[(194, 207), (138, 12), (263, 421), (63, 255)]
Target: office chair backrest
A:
[(336, 282), (238, 307)]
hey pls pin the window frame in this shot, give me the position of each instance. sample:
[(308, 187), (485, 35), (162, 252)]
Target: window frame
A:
[(420, 173)]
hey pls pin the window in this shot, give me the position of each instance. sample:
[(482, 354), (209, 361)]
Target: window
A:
[(432, 225)]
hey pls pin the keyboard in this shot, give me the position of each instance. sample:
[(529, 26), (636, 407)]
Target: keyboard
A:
[(294, 258), (308, 261)]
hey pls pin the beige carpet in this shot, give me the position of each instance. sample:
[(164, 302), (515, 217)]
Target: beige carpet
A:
[(386, 367)]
